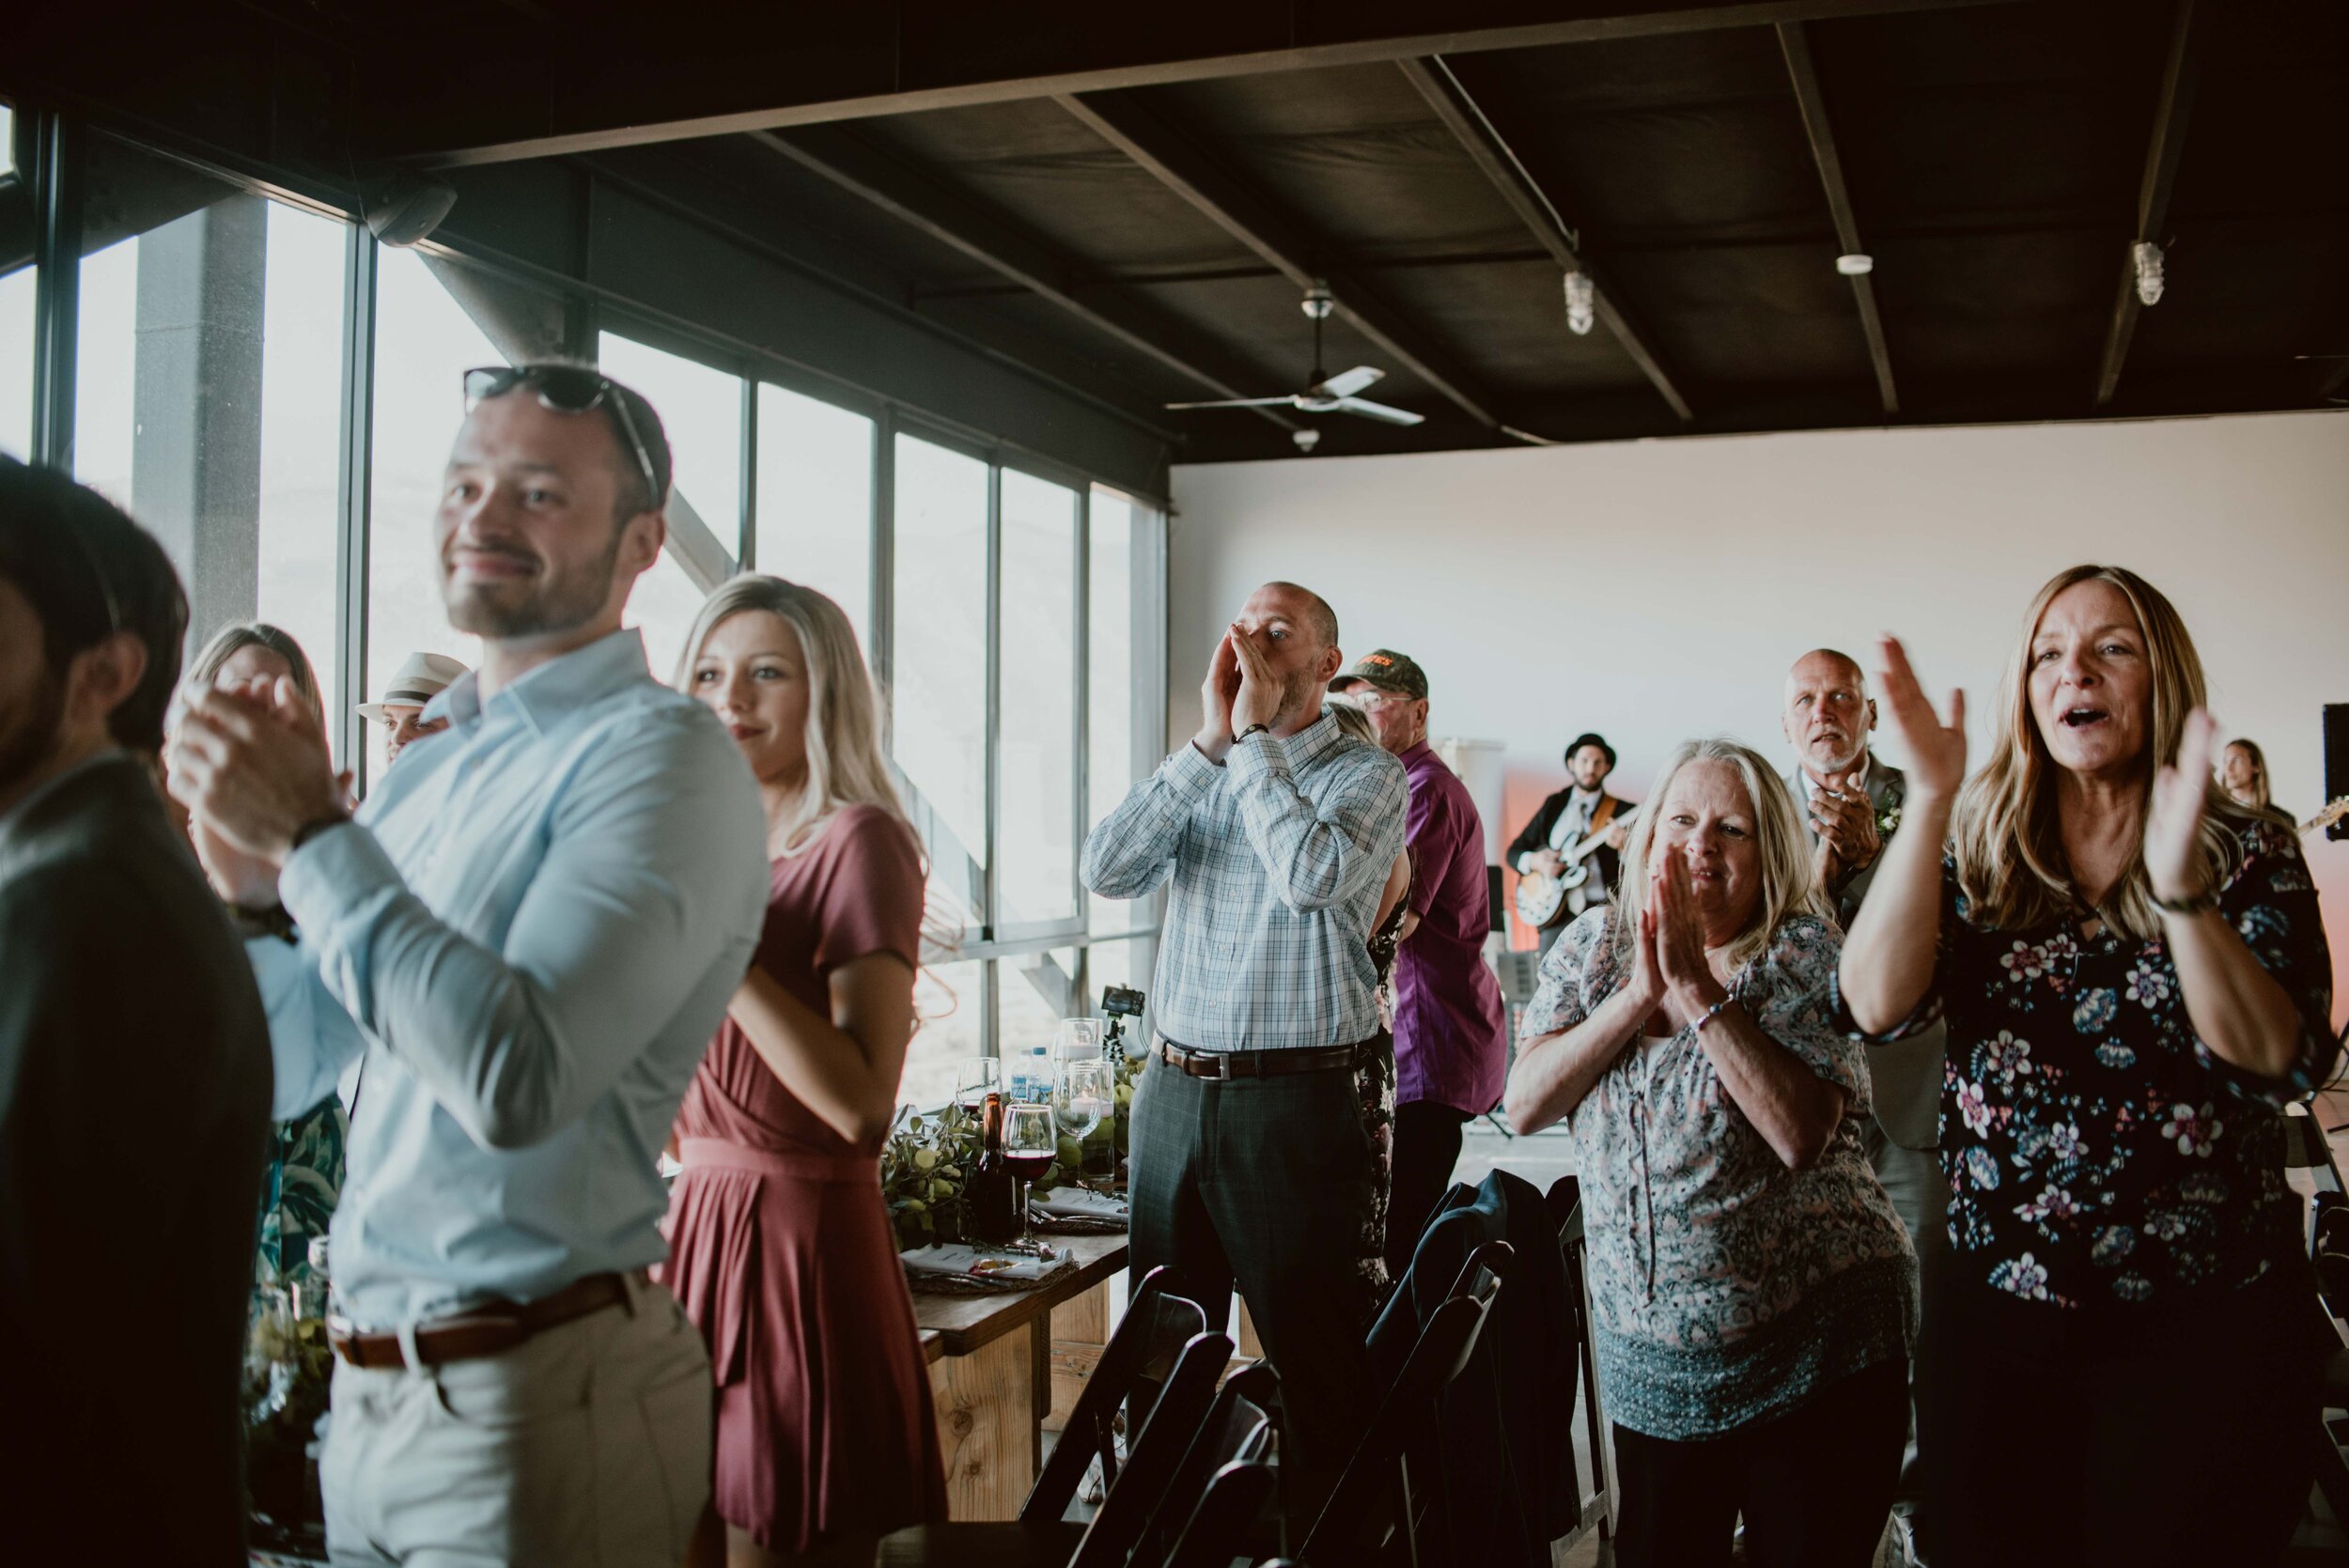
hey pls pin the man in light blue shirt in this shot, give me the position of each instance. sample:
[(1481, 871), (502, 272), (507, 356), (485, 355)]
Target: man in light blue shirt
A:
[(528, 935)]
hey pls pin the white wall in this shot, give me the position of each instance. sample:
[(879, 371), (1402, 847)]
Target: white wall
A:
[(1656, 590)]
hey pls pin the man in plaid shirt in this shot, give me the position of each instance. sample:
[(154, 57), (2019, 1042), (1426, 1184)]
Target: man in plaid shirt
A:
[(1250, 1157)]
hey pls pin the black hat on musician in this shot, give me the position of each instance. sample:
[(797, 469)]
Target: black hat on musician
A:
[(1599, 740)]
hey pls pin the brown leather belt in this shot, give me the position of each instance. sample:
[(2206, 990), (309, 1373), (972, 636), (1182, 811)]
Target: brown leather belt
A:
[(1251, 1064), (490, 1328)]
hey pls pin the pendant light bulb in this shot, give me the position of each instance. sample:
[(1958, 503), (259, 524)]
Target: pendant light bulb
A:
[(2147, 257), (1581, 303)]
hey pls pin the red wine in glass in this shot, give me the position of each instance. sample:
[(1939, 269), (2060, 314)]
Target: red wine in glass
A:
[(1027, 1167)]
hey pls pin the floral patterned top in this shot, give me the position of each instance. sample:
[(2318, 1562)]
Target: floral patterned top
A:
[(2097, 1151), (299, 1188), (1725, 1287)]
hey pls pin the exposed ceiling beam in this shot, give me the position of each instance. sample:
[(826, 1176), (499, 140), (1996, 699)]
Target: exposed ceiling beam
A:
[(1134, 128), (1492, 155), (2172, 110), (857, 166), (1795, 45), (592, 89)]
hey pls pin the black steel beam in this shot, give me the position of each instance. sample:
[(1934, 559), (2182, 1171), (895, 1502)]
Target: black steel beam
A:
[(2173, 108), (1035, 265), (58, 158), (711, 73), (1500, 164), (1135, 129), (1821, 129)]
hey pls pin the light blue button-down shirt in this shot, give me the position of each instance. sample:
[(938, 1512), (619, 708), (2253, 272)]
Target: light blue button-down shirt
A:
[(531, 933)]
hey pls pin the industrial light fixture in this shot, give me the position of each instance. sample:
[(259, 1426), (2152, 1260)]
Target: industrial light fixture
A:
[(1316, 302), (1306, 439), (1855, 265), (1581, 303), (2146, 257)]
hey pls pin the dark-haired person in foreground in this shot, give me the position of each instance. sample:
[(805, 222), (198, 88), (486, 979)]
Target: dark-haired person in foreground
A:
[(135, 1069), (2122, 1347), (531, 929)]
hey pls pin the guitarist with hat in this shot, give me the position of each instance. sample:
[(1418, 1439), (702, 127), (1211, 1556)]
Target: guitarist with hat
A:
[(1568, 857)]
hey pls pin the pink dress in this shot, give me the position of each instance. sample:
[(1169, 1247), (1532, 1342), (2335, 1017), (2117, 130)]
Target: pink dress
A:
[(780, 1246)]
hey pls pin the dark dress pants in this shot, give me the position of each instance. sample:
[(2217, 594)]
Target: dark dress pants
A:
[(1266, 1184), (2180, 1433), (1426, 1148), (1920, 1196), (1814, 1484)]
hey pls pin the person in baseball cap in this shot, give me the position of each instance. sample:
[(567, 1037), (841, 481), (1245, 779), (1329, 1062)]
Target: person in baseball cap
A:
[(1387, 671), (400, 710)]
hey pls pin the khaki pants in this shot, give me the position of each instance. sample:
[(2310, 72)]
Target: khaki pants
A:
[(587, 1445)]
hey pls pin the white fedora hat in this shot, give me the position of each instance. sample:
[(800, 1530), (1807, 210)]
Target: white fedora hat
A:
[(422, 677)]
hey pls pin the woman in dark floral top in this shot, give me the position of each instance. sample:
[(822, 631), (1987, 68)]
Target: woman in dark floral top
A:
[(2118, 1358)]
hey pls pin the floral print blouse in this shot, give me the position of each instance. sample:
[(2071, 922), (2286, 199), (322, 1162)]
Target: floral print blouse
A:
[(2098, 1154), (1725, 1287)]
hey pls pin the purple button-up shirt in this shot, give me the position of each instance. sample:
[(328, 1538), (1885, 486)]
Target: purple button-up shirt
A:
[(1451, 1031)]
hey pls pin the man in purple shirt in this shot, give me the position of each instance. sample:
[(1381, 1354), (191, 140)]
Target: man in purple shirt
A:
[(1451, 1031)]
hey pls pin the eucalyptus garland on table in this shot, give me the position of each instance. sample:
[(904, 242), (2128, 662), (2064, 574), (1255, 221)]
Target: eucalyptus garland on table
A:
[(931, 1154)]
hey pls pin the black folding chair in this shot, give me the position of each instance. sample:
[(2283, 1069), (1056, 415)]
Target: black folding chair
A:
[(1372, 1502), (1565, 1201), (1162, 1337), (1217, 1499)]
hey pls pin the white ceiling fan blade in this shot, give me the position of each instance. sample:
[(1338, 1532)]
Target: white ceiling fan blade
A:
[(1379, 412), (1345, 383), (1236, 403)]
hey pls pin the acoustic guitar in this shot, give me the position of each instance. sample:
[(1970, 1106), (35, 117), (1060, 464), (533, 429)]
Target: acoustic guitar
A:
[(1542, 899)]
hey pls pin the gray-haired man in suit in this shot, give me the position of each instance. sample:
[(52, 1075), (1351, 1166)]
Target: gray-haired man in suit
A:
[(1851, 804)]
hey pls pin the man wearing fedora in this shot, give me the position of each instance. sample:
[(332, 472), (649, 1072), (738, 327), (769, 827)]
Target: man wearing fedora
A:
[(400, 709), (1570, 817)]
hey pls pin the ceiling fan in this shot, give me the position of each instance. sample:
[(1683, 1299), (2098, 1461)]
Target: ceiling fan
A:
[(1323, 393)]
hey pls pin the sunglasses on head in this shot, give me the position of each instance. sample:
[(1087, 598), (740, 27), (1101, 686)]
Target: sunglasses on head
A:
[(564, 389)]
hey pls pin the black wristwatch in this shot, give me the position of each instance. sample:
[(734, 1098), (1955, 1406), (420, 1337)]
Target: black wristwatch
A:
[(2195, 904), (272, 922), (1253, 729), (309, 830)]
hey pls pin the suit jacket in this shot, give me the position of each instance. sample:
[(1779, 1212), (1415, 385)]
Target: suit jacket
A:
[(135, 1099), (1536, 836), (1504, 1478), (1905, 1077)]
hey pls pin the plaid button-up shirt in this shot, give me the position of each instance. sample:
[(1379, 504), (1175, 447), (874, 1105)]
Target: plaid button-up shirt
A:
[(1278, 858)]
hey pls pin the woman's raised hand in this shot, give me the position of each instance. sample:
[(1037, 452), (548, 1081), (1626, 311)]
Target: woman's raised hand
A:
[(1937, 751), (1679, 928), (1646, 986), (2174, 819)]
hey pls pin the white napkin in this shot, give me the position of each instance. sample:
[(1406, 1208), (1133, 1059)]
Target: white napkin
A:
[(957, 1259), (1080, 1203)]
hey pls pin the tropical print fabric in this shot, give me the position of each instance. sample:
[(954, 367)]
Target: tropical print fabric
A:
[(298, 1191), (1726, 1288), (2098, 1154)]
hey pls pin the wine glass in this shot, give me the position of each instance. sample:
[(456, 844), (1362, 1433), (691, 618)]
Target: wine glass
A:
[(975, 1078), (1075, 1039), (1083, 1098), (1029, 1144)]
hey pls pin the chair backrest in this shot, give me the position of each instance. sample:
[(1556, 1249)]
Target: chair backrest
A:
[(1519, 974), (1150, 1339), (1565, 1201), (1155, 1455), (1219, 1528), (1367, 1496), (2306, 1148), (1238, 1429)]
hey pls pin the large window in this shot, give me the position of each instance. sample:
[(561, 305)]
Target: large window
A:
[(1015, 610), (1036, 785), (939, 665), (815, 511), (302, 369)]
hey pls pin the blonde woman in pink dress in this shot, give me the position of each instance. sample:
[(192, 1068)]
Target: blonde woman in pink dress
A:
[(780, 1246)]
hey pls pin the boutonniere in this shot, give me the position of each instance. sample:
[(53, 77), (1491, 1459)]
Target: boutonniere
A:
[(1889, 819)]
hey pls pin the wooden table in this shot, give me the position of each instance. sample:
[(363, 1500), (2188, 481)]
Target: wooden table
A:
[(1002, 1366)]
